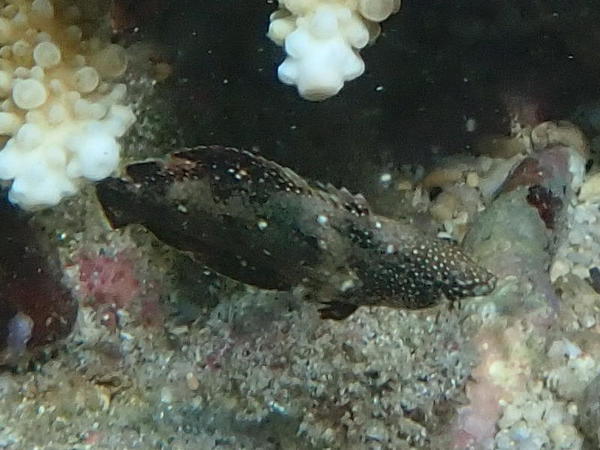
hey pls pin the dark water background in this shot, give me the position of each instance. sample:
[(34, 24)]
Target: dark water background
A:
[(436, 64)]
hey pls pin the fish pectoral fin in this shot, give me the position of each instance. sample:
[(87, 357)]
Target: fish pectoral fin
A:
[(337, 310)]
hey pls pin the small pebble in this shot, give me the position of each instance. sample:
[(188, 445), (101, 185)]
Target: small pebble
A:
[(472, 179), (166, 396), (192, 382), (442, 177)]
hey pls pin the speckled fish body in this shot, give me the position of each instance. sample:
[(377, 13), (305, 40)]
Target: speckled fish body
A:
[(263, 224)]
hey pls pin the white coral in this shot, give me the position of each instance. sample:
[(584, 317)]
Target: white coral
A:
[(60, 110), (322, 39)]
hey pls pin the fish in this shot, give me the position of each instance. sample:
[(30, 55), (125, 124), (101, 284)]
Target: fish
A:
[(260, 223)]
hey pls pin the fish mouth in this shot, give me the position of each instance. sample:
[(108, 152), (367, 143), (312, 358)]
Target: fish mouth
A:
[(485, 288)]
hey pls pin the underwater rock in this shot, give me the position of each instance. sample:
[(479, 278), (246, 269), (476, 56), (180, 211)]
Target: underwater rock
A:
[(35, 307), (519, 233), (257, 222), (517, 237), (589, 417)]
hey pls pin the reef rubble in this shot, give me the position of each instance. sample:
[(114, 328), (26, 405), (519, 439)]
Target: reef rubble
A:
[(165, 353)]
